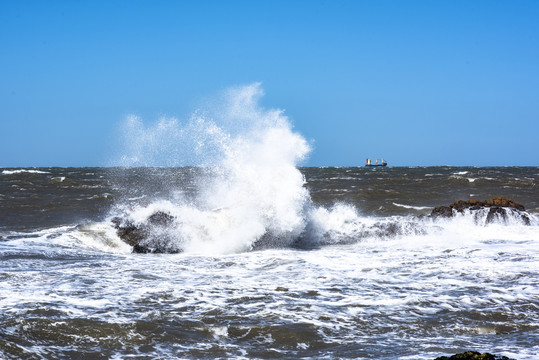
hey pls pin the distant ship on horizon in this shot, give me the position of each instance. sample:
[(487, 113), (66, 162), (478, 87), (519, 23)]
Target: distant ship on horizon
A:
[(380, 162)]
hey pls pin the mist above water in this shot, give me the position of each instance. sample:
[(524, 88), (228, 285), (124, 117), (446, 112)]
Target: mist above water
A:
[(226, 125)]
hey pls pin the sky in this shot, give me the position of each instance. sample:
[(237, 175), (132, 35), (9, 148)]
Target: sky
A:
[(419, 83)]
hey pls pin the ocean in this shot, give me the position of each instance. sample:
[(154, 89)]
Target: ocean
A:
[(207, 239), (269, 260)]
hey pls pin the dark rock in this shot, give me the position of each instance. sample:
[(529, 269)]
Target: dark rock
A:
[(499, 208), (494, 212), (443, 211), (149, 237), (473, 355), (525, 219), (128, 232), (160, 218)]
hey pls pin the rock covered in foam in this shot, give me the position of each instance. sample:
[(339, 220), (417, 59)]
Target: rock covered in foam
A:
[(148, 237), (498, 208)]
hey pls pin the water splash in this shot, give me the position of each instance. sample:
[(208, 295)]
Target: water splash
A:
[(250, 193), (252, 189)]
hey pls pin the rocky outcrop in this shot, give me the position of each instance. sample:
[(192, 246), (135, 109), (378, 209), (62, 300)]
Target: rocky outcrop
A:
[(148, 237), (473, 355), (498, 208)]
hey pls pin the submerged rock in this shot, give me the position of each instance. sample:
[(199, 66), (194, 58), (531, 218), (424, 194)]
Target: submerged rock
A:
[(473, 355), (498, 208), (149, 237)]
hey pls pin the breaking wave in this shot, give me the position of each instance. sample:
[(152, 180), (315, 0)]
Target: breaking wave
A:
[(249, 193), (250, 188)]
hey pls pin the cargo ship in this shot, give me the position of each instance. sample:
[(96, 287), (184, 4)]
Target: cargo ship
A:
[(380, 162)]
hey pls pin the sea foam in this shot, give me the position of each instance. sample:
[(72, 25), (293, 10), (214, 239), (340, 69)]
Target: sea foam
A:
[(20, 171)]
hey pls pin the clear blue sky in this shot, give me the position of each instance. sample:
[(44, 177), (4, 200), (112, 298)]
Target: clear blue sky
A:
[(417, 82)]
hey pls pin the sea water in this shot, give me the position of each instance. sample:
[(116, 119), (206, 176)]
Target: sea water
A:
[(273, 260)]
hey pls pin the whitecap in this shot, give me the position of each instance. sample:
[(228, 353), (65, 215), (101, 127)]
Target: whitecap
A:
[(58, 179), (20, 171), (412, 207)]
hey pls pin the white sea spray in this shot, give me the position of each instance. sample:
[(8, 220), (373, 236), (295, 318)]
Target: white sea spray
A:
[(252, 188)]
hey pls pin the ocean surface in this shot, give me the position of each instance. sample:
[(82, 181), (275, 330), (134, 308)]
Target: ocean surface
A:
[(273, 261)]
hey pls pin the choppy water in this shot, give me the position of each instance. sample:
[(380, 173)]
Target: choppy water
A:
[(341, 266)]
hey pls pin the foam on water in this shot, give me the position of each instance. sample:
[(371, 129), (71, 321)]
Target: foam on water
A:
[(465, 285), (21, 171), (411, 207)]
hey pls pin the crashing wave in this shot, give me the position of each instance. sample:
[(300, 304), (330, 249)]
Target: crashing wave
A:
[(251, 194), (166, 228)]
